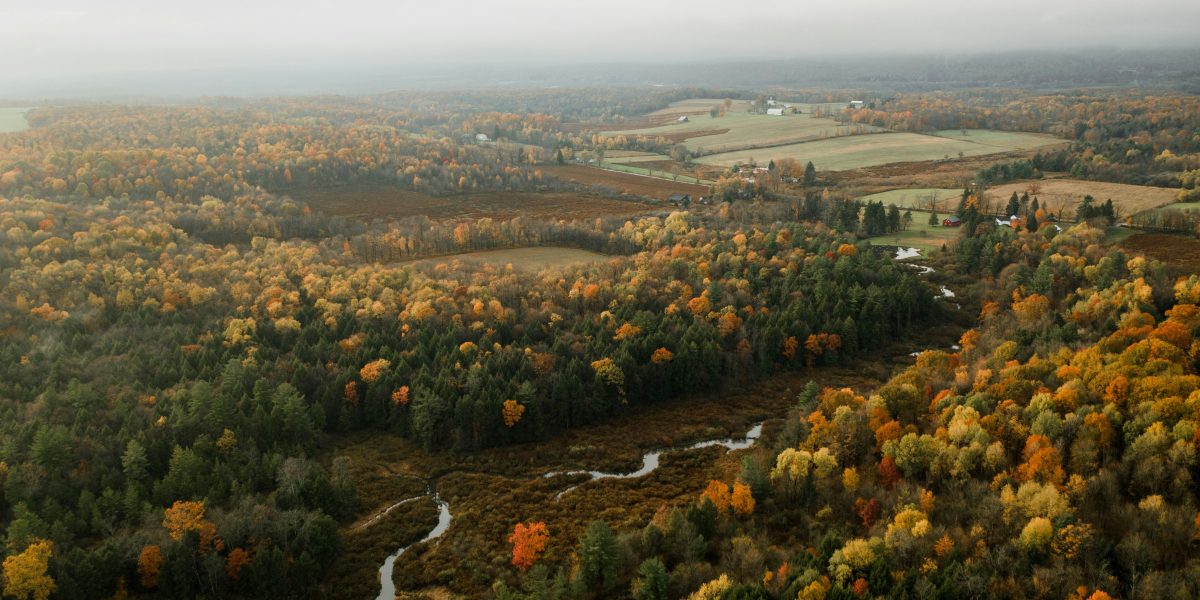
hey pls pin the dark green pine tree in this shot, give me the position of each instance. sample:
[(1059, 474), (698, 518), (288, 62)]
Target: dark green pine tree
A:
[(653, 581), (599, 556), (1014, 206)]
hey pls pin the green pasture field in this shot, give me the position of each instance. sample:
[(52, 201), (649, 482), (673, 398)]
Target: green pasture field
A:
[(1006, 141), (920, 235), (748, 130), (653, 173), (625, 160)]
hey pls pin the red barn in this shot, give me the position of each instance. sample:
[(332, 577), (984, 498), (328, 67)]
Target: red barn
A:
[(951, 221)]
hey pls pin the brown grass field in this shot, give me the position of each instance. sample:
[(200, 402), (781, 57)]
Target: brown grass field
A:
[(370, 201), (954, 173), (636, 185), (489, 491), (525, 259), (1180, 253), (1066, 194)]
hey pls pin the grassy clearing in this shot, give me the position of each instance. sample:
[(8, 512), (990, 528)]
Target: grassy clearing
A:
[(525, 259), (1118, 235), (1065, 194), (920, 235), (13, 119), (1183, 206), (742, 130), (626, 183), (627, 154), (945, 199), (1006, 141), (695, 105), (857, 151), (655, 173), (641, 158)]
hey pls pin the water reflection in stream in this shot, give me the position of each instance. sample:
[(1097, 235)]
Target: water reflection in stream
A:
[(387, 587), (650, 460)]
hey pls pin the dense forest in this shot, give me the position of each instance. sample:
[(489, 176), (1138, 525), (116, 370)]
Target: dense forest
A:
[(179, 339)]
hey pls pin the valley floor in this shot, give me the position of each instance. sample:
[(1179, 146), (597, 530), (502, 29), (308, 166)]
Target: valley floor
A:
[(489, 491)]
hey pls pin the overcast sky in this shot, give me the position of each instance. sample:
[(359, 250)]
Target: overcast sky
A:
[(62, 39)]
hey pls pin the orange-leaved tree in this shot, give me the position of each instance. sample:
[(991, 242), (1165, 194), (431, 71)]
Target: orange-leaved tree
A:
[(529, 541), (150, 561), (717, 493), (742, 500), (400, 396), (183, 517), (237, 559)]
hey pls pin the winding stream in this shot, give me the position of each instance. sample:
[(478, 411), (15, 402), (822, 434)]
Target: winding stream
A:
[(650, 460), (903, 254), (906, 253), (387, 587), (383, 513)]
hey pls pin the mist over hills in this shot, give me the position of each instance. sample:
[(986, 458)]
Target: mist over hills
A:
[(1173, 69)]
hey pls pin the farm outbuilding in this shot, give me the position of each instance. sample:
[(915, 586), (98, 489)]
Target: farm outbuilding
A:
[(1014, 221), (778, 112), (951, 221), (683, 119), (679, 199)]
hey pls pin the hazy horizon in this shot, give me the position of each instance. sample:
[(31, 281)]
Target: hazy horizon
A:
[(73, 46)]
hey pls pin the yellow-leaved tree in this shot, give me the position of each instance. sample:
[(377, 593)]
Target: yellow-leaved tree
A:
[(25, 573), (512, 412)]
